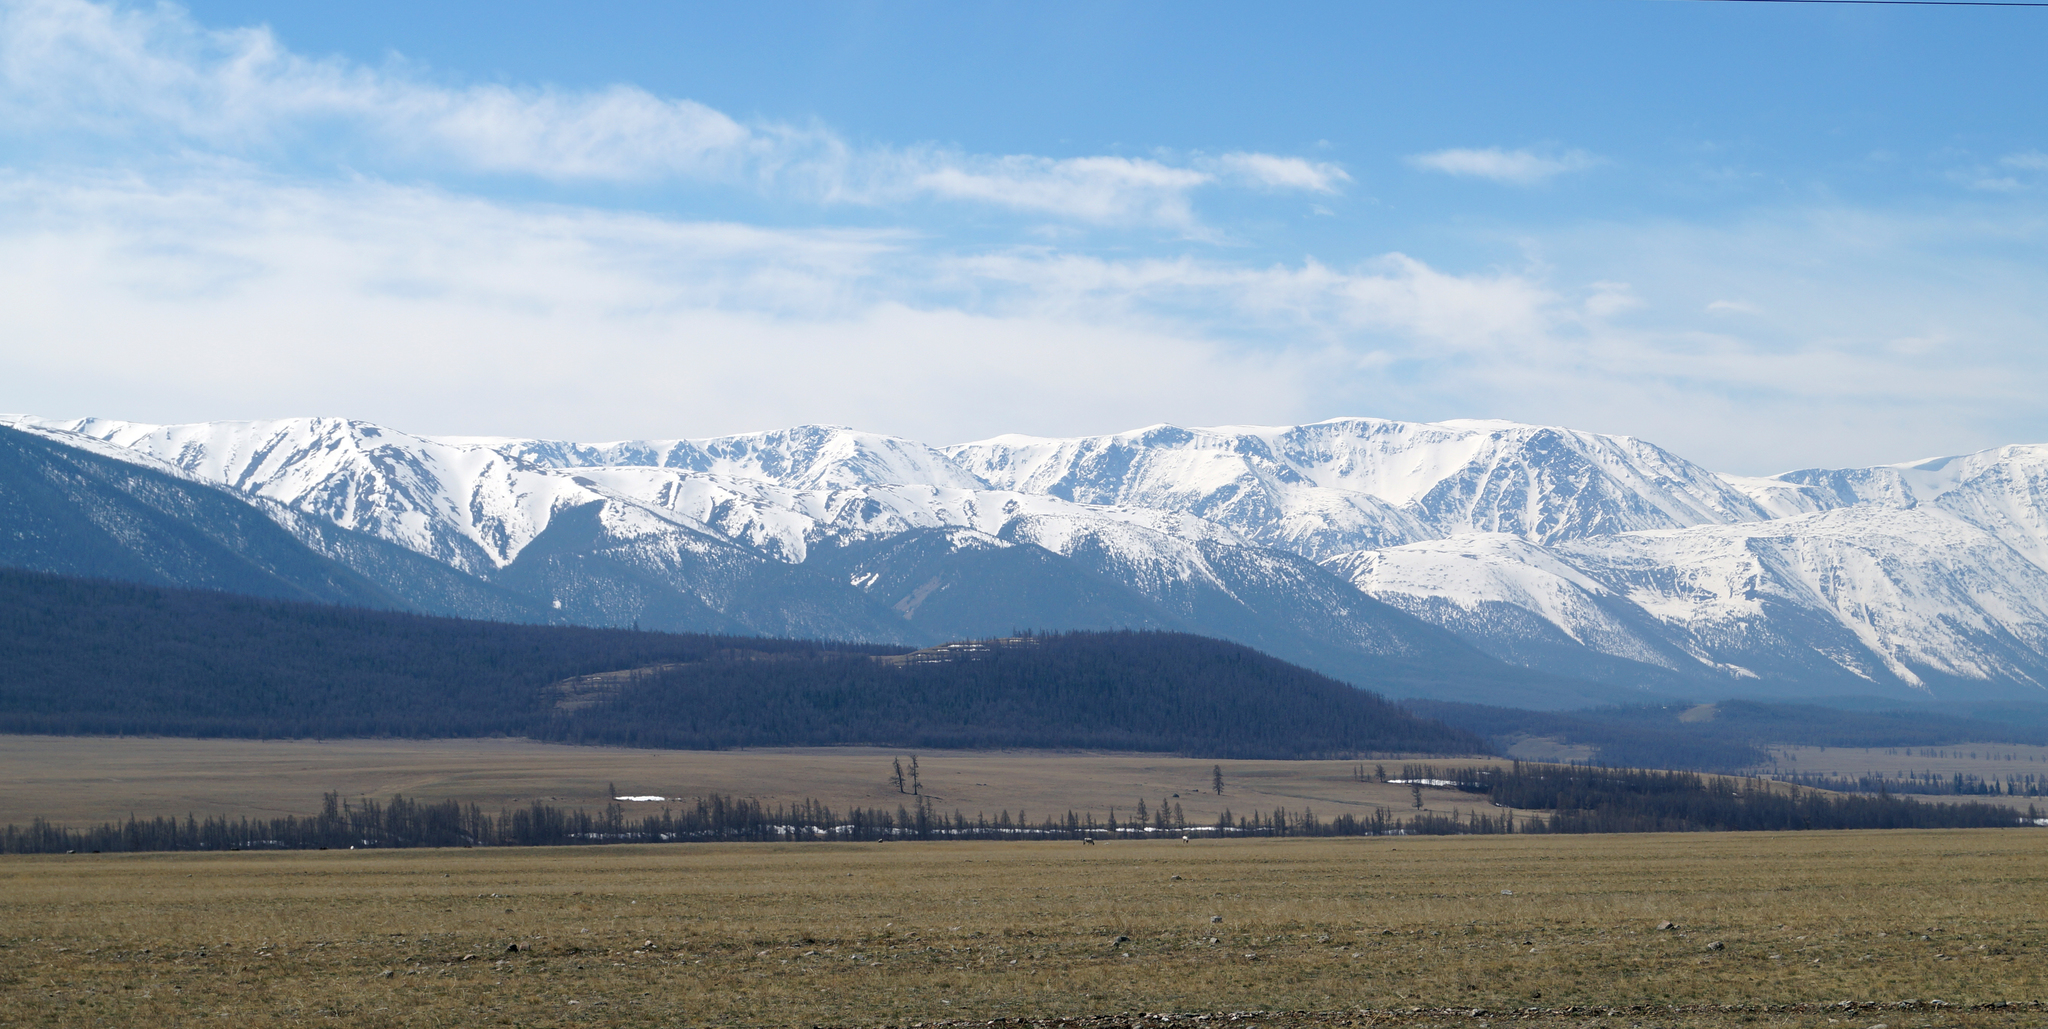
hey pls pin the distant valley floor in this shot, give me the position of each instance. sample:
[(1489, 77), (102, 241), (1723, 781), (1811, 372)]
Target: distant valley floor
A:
[(77, 781)]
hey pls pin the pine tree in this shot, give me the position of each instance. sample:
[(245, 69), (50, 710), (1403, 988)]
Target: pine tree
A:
[(896, 777), (1216, 779), (915, 788)]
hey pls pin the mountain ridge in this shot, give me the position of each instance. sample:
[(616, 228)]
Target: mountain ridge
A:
[(1576, 555)]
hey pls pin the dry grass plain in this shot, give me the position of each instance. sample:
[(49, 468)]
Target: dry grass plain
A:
[(1980, 759), (88, 780), (1413, 931), (1984, 760)]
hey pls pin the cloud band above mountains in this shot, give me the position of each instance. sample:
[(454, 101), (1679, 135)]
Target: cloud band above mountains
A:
[(200, 223)]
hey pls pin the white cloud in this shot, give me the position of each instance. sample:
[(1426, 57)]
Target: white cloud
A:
[(1992, 184), (1096, 189), (1282, 172), (239, 297), (1731, 307), (2009, 174), (1866, 336), (254, 286), (1611, 298), (142, 77), (228, 296), (1394, 300), (1515, 167), (151, 73)]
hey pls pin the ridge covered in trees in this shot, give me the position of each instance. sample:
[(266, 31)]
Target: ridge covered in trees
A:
[(1147, 691), (89, 657)]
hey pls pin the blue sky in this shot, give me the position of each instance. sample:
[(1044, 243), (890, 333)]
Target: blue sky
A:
[(1765, 235)]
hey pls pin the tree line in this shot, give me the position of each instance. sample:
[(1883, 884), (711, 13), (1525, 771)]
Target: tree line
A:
[(1600, 800), (1577, 800), (1958, 784), (403, 823)]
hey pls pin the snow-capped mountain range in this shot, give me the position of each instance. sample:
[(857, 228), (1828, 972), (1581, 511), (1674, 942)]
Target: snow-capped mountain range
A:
[(1583, 558)]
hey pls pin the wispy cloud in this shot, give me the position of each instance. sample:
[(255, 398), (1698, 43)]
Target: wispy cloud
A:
[(1393, 300), (1515, 167), (456, 315), (1099, 189), (388, 302), (150, 74), (289, 275), (226, 296), (1282, 172), (2012, 173), (139, 77)]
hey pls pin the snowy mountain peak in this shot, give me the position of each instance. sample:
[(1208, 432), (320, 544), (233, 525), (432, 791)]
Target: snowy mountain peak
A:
[(2003, 490), (466, 505), (1352, 483), (803, 457)]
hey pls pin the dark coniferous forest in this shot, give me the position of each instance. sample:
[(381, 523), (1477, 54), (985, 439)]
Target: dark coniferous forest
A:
[(94, 657), (1149, 691)]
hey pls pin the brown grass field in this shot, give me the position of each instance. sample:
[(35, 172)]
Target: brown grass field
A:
[(1981, 759), (1985, 760), (86, 780), (1460, 931)]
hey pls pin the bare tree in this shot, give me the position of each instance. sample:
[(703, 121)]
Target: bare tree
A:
[(914, 787), (896, 778)]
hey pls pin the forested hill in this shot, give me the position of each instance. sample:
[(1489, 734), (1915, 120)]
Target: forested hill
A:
[(1155, 691), (94, 657)]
